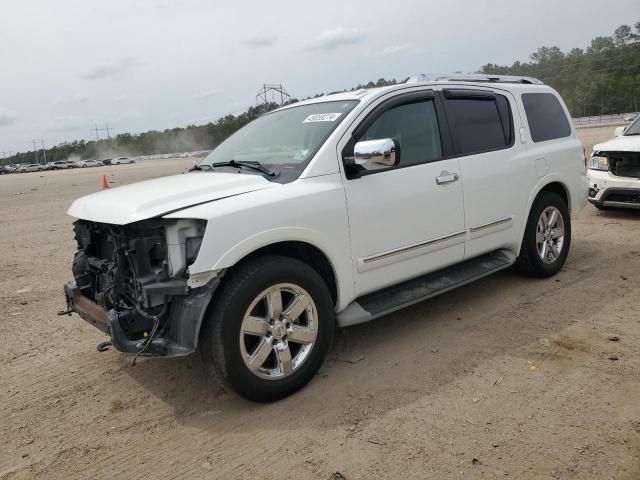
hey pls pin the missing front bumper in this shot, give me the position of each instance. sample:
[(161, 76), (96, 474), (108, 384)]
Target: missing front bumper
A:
[(179, 335)]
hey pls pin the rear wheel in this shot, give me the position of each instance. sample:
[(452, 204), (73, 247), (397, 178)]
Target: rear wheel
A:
[(269, 328), (547, 237)]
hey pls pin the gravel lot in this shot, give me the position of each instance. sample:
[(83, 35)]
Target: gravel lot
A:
[(507, 376)]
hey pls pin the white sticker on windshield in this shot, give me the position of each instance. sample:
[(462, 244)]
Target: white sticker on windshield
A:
[(322, 117)]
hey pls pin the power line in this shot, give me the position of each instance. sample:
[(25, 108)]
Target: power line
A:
[(275, 90), (106, 128)]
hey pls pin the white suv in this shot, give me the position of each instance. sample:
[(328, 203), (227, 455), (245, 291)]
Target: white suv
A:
[(325, 213), (614, 170)]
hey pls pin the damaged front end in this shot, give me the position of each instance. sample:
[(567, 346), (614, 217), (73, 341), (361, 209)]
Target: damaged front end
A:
[(623, 164), (132, 283)]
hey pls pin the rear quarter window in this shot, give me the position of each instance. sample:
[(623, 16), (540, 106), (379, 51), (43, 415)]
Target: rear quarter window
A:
[(545, 116)]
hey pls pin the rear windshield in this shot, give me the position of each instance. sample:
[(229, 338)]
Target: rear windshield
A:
[(546, 117)]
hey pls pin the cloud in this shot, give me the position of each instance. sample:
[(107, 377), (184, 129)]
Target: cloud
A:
[(258, 41), (335, 38), (404, 49), (110, 69), (63, 123), (74, 99), (7, 117), (207, 93)]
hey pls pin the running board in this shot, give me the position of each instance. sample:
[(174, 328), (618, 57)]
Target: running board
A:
[(390, 299)]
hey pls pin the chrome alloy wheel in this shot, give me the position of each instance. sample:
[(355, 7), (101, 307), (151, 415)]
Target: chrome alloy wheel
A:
[(278, 331), (550, 235)]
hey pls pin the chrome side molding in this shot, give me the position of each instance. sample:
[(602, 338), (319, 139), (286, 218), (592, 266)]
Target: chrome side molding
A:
[(411, 248), (496, 223)]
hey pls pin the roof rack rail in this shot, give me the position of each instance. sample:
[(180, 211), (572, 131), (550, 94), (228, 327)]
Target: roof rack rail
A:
[(477, 77)]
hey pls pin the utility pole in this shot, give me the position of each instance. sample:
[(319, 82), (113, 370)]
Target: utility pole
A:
[(44, 152), (35, 150), (96, 130)]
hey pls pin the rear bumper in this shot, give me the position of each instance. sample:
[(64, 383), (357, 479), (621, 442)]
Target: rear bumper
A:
[(179, 331)]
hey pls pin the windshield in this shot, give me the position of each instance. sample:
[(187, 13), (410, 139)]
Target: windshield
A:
[(285, 140), (634, 128)]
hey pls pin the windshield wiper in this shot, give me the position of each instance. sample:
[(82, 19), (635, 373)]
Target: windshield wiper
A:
[(200, 168), (247, 164)]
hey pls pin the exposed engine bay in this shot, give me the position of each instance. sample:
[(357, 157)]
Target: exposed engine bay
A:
[(138, 274)]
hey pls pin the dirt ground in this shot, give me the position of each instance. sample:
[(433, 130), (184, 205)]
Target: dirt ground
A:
[(590, 135), (507, 376)]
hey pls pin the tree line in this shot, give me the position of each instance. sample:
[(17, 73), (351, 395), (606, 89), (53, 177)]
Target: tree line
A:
[(604, 78), (601, 79)]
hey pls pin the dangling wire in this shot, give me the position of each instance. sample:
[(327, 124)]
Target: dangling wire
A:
[(154, 330)]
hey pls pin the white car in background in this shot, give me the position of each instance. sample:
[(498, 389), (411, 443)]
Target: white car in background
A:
[(90, 163), (59, 165), (32, 167), (614, 170), (119, 160)]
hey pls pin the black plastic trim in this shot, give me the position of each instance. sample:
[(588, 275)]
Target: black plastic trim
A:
[(616, 191), (468, 94)]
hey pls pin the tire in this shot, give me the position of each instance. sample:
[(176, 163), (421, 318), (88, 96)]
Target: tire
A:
[(530, 261), (227, 348)]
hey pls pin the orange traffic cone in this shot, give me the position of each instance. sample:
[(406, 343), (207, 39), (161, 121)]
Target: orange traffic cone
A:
[(105, 183)]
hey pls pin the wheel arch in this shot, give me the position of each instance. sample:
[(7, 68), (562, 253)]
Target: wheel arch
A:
[(553, 185), (304, 252), (559, 189)]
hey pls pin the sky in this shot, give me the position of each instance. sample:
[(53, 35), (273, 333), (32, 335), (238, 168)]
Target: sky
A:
[(69, 65)]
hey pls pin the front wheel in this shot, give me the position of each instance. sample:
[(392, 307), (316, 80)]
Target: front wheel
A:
[(269, 328), (547, 237)]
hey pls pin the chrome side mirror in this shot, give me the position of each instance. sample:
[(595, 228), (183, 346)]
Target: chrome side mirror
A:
[(376, 153), (619, 131)]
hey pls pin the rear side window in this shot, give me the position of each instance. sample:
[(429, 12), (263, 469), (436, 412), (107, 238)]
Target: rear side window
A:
[(546, 117), (479, 124)]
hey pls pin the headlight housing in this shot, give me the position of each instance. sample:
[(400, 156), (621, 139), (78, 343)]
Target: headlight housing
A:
[(599, 163), (184, 238)]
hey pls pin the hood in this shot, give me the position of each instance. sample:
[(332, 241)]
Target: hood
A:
[(630, 143), (153, 198)]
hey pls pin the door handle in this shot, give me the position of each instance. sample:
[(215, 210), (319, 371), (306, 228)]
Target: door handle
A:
[(446, 177)]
